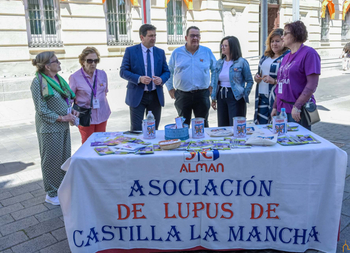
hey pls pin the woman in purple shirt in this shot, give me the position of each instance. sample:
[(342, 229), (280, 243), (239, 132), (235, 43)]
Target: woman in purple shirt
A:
[(89, 81), (298, 74)]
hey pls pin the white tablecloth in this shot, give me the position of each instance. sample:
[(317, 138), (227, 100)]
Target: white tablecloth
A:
[(279, 197)]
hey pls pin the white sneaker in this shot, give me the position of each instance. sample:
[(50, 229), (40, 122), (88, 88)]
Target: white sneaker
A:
[(52, 200)]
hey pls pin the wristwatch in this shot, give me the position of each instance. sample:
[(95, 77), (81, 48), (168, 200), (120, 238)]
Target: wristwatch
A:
[(298, 110)]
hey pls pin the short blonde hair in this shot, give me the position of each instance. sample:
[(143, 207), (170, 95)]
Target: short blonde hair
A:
[(86, 52), (42, 59)]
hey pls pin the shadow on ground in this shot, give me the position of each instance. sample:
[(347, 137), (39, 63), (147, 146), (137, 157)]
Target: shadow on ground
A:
[(13, 167)]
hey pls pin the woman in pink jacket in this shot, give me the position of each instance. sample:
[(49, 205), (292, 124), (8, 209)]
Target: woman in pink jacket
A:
[(90, 86)]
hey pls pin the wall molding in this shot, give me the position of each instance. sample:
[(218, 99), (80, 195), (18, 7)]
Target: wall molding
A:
[(13, 45), (83, 30), (82, 16), (78, 2), (13, 30), (12, 14)]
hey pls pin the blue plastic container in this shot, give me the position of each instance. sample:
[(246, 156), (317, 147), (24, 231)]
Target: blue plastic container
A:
[(179, 133)]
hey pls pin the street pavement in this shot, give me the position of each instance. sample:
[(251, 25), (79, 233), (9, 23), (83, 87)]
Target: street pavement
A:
[(28, 224)]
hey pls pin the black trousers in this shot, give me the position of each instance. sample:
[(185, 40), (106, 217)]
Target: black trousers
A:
[(229, 107), (149, 102), (196, 101)]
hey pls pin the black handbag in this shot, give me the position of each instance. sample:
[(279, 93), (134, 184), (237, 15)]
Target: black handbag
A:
[(84, 115)]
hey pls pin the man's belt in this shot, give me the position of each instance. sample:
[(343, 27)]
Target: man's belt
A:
[(193, 91)]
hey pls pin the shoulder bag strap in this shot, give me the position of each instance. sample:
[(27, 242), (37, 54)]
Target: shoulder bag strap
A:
[(284, 101)]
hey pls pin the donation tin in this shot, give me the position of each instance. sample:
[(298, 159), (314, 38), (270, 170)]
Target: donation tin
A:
[(149, 129), (197, 128), (239, 127), (279, 125)]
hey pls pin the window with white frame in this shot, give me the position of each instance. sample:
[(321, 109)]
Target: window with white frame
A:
[(325, 27), (118, 18), (176, 22), (43, 23), (345, 28)]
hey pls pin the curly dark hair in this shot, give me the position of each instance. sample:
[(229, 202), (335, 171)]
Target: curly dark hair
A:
[(297, 30)]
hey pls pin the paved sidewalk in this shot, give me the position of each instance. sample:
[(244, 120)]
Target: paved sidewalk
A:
[(28, 224)]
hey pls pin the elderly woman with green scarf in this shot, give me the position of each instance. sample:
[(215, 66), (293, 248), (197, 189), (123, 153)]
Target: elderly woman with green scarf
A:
[(52, 99)]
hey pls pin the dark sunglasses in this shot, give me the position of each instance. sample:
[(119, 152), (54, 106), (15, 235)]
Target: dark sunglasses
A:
[(56, 61), (90, 61)]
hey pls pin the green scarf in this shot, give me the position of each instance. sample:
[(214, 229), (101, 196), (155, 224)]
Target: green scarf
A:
[(47, 83)]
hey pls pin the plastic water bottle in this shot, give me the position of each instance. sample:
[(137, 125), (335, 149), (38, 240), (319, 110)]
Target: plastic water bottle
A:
[(283, 115), (149, 126), (150, 116)]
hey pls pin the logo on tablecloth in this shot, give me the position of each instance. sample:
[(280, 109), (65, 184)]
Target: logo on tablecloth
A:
[(202, 160), (211, 155), (347, 246)]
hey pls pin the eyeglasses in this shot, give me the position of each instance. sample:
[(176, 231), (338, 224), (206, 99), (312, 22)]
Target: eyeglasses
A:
[(195, 35), (56, 61), (225, 46), (90, 61), (286, 33)]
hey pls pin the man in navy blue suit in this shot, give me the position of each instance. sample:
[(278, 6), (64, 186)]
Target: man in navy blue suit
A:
[(145, 68)]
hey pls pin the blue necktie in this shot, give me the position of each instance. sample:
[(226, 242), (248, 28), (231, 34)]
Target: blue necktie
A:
[(149, 69)]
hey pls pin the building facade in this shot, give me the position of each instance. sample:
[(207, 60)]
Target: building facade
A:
[(28, 27)]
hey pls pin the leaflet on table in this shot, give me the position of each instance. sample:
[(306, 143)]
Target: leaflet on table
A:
[(288, 140), (131, 146), (117, 140), (183, 146), (224, 132), (111, 151), (156, 147), (290, 128), (119, 151), (206, 145), (198, 146), (103, 151), (309, 138), (145, 150), (100, 139), (222, 145)]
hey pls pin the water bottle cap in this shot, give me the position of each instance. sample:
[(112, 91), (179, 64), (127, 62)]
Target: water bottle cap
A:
[(283, 109)]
